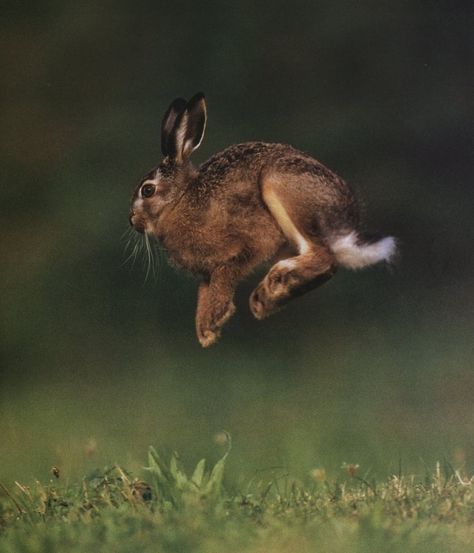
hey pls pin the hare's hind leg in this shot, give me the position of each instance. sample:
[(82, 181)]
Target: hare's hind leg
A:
[(290, 278), (296, 275)]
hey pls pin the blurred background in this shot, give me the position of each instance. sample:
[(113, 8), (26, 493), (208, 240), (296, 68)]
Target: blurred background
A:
[(375, 368)]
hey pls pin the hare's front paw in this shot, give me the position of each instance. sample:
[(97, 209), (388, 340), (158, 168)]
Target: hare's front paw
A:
[(274, 290), (207, 338), (208, 328)]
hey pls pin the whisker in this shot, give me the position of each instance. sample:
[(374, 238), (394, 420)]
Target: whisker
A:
[(136, 247), (147, 248), (128, 231), (149, 262)]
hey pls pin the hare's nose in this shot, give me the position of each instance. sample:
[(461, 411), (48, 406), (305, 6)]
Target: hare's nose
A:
[(137, 224)]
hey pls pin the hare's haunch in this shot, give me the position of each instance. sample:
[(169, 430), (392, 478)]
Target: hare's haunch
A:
[(249, 204)]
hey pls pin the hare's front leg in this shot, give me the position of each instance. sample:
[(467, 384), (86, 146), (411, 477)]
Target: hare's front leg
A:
[(215, 305)]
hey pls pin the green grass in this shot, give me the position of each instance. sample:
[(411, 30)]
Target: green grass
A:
[(168, 510)]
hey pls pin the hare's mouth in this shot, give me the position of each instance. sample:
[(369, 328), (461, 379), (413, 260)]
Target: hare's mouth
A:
[(139, 226), (137, 223)]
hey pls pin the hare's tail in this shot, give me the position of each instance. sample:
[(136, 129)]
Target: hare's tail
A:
[(355, 251)]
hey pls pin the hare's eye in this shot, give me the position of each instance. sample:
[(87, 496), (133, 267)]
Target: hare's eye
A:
[(148, 190)]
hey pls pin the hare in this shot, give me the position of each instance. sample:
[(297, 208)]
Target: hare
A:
[(249, 204)]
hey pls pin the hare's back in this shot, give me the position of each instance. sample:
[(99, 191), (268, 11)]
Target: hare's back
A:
[(303, 178), (250, 160)]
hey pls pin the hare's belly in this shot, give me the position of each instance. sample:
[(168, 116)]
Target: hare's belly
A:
[(215, 242)]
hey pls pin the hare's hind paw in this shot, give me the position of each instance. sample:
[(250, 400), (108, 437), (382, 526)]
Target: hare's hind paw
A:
[(274, 290), (258, 303), (262, 304)]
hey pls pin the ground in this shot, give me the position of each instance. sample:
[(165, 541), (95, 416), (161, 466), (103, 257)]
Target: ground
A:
[(170, 511)]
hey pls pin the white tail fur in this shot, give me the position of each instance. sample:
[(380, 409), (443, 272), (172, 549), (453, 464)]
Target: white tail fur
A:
[(352, 252)]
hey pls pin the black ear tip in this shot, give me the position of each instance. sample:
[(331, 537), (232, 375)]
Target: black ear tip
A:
[(178, 104), (197, 98)]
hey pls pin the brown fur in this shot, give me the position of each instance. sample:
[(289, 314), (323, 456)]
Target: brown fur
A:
[(214, 222)]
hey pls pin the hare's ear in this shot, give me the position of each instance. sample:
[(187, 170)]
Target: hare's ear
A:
[(189, 127), (177, 107)]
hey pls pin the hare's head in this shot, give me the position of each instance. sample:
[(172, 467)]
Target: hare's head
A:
[(182, 131)]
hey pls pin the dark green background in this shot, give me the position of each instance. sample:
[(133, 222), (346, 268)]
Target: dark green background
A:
[(374, 368)]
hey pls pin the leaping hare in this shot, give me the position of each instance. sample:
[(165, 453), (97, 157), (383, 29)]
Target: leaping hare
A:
[(249, 204)]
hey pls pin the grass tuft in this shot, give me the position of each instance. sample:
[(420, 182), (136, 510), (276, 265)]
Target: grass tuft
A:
[(175, 490)]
